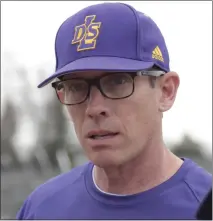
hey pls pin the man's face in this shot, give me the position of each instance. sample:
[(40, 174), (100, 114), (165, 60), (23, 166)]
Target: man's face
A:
[(121, 128)]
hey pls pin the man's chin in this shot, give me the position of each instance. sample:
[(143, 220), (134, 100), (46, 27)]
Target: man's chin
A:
[(105, 161)]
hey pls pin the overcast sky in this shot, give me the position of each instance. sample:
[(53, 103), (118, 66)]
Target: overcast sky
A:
[(29, 29)]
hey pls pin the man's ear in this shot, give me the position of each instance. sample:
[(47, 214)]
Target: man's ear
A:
[(169, 84)]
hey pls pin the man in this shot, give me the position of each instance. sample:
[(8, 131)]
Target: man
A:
[(113, 75)]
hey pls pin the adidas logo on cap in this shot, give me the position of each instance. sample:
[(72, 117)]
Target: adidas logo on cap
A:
[(156, 54)]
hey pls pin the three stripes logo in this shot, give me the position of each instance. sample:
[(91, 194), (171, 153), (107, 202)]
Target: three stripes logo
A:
[(156, 54)]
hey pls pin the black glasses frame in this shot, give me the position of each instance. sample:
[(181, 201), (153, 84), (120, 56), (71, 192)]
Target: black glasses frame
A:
[(96, 82)]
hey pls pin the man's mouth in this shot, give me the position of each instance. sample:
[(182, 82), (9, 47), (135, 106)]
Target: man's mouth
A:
[(102, 136)]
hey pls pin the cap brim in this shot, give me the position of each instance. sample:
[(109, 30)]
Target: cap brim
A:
[(99, 64)]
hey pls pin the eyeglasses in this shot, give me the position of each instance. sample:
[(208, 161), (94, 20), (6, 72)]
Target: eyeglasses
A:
[(111, 85)]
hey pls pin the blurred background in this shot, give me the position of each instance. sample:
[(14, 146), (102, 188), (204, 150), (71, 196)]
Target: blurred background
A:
[(37, 137)]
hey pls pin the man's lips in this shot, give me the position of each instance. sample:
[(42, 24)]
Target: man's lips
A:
[(101, 134)]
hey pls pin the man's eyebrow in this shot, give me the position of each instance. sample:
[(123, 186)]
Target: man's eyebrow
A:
[(75, 75), (66, 77)]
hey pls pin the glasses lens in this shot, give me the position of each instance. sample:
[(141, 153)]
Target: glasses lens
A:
[(117, 85), (72, 91)]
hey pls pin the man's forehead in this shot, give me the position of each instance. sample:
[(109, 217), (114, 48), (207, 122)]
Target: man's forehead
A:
[(84, 74)]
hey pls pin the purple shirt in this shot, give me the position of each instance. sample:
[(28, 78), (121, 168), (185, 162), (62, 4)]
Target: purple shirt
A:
[(73, 195)]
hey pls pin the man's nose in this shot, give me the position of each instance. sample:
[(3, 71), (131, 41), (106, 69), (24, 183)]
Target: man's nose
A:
[(96, 104)]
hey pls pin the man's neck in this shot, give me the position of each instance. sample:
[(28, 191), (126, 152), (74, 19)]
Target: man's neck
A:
[(147, 171)]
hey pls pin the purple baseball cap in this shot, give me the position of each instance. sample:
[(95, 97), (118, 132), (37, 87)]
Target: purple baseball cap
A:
[(108, 37)]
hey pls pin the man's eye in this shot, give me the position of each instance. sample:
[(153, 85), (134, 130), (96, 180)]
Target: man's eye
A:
[(76, 87), (60, 87), (119, 80)]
